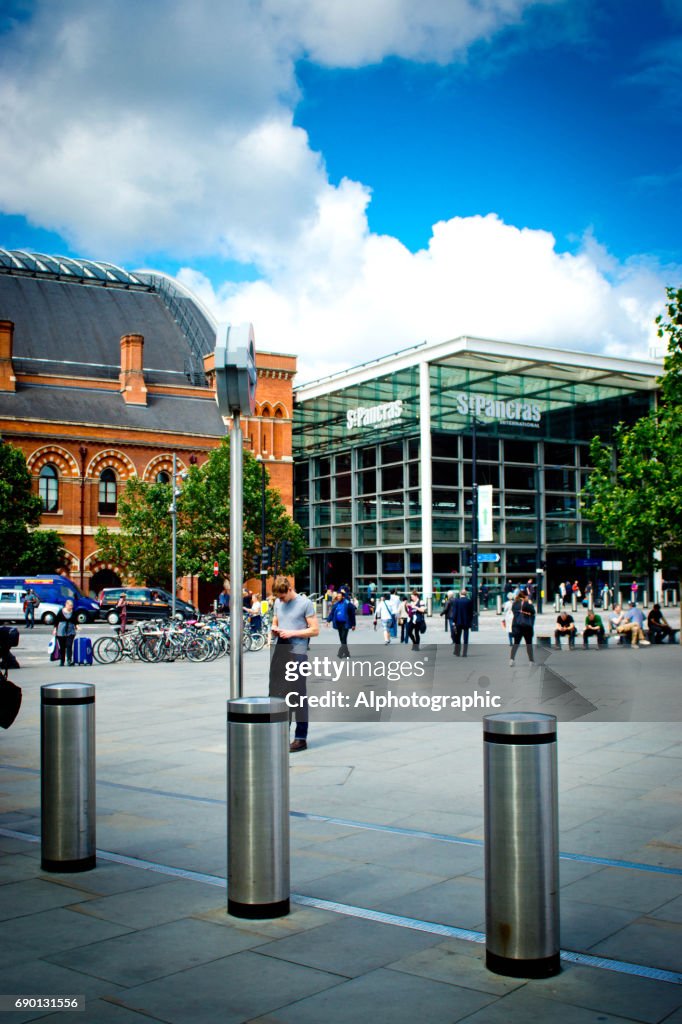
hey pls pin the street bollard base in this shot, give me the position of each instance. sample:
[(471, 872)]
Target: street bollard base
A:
[(258, 911), (542, 967), (66, 866)]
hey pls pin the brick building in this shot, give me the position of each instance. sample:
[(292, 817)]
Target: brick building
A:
[(104, 375)]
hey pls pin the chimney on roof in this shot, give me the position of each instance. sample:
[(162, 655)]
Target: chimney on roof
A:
[(132, 376), (8, 382)]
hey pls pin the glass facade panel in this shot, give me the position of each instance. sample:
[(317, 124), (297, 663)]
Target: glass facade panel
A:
[(562, 533), (366, 509), (343, 486), (322, 489), (343, 463), (560, 479), (393, 506), (367, 457), (367, 535), (414, 531), (445, 474), (445, 502), (393, 532), (413, 474), (561, 505), (392, 452), (559, 454), (521, 532), (392, 478), (446, 531), (393, 562), (343, 536), (342, 512), (519, 478), (520, 503)]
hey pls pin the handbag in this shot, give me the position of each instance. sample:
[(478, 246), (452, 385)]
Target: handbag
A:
[(52, 645), (10, 702)]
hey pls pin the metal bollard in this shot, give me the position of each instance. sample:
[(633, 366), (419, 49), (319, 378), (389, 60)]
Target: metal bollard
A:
[(258, 807), (498, 604), (574, 602), (557, 602), (521, 845), (67, 777), (666, 601), (590, 602), (645, 599)]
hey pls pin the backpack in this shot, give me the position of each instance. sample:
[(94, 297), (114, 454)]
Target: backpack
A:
[(341, 614)]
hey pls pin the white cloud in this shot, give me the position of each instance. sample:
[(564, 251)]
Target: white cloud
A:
[(478, 277), (138, 129), (165, 126)]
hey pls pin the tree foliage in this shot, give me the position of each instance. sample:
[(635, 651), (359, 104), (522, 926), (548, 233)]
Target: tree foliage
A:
[(23, 549), (634, 493), (143, 547)]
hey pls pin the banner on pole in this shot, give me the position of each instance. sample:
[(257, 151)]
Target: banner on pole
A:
[(485, 512)]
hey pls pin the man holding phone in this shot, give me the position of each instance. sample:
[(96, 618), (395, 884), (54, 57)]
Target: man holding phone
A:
[(294, 622)]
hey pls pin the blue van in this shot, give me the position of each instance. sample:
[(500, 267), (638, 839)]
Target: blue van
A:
[(55, 590)]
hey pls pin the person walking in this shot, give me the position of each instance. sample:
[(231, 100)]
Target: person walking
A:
[(447, 609), (417, 622), (404, 620), (65, 629), (523, 623), (388, 619), (294, 623), (342, 618), (461, 621), (507, 617)]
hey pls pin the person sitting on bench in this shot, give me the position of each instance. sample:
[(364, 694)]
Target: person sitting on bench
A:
[(593, 627), (565, 626), (659, 627)]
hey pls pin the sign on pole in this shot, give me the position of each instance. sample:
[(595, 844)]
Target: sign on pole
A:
[(485, 512)]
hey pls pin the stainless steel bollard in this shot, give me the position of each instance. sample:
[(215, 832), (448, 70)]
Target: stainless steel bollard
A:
[(521, 845), (557, 602), (258, 807), (67, 777), (498, 604)]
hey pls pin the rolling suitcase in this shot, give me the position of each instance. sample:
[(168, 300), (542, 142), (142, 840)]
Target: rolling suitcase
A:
[(82, 650)]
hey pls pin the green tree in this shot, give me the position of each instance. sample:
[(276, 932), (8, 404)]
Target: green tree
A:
[(23, 549), (143, 546), (634, 493)]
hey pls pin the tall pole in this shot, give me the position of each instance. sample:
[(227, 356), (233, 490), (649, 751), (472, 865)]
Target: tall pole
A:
[(83, 452), (263, 570), (236, 556), (174, 519), (539, 571), (474, 526)]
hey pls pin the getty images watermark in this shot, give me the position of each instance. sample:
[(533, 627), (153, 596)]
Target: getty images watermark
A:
[(371, 685), (431, 684)]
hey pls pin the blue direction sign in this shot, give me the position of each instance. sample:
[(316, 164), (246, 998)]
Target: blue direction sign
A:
[(488, 556)]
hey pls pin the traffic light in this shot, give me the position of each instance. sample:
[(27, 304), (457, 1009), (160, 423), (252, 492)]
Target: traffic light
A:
[(255, 564), (466, 556), (285, 553), (266, 559)]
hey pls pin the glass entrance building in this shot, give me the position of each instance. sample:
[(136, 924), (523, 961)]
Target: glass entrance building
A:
[(384, 463)]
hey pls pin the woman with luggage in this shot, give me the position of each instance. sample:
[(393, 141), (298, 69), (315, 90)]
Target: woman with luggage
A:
[(65, 628)]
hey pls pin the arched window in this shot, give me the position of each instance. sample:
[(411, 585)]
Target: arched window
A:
[(48, 488), (107, 493), (162, 477)]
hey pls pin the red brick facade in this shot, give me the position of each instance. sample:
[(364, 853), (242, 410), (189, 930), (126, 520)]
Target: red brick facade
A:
[(79, 452)]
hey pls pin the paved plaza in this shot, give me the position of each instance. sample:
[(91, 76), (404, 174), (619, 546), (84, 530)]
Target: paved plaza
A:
[(387, 876)]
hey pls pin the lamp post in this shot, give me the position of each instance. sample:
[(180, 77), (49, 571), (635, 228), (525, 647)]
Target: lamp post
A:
[(83, 452), (263, 570), (174, 521), (474, 528)]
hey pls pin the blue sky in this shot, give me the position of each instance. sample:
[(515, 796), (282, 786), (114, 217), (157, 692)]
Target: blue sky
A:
[(357, 177)]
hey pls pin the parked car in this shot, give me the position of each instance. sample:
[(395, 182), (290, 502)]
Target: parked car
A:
[(12, 608), (143, 603), (55, 590)]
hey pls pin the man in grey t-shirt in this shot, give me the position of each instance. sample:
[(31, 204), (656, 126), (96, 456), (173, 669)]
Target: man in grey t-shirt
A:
[(294, 622)]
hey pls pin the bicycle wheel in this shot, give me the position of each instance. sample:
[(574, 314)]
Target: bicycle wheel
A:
[(257, 641), (107, 650), (197, 649)]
